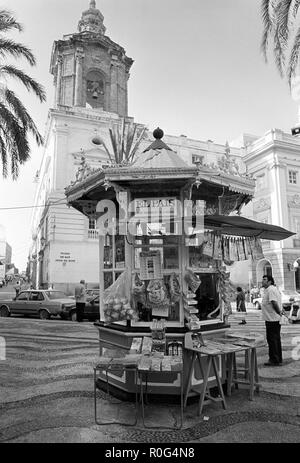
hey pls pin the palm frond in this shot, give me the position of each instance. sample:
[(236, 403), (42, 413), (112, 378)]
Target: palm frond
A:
[(267, 24), (26, 80), (114, 145), (3, 157), (296, 8), (8, 22), (294, 57), (122, 140), (15, 139), (282, 33), (17, 50), (137, 144), (21, 114), (15, 121)]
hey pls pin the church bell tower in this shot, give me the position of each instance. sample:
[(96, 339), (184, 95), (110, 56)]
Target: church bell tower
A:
[(89, 69)]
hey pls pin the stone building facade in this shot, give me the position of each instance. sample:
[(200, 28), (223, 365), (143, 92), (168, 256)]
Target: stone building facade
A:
[(91, 73)]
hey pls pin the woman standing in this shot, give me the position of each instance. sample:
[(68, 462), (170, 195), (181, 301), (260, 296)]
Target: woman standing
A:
[(240, 304)]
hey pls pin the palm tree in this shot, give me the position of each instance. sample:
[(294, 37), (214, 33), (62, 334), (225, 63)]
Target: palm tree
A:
[(282, 30), (125, 140), (15, 122)]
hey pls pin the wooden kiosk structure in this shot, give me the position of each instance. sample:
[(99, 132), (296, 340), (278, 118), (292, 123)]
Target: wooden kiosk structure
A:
[(166, 221)]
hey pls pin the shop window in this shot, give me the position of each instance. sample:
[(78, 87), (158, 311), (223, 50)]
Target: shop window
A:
[(92, 224), (157, 262), (293, 174), (113, 258)]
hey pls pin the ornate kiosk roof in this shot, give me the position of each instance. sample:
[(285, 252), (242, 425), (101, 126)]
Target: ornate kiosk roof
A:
[(160, 170)]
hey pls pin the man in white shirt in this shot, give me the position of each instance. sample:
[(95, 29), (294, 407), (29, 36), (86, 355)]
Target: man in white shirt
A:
[(80, 297), (271, 311)]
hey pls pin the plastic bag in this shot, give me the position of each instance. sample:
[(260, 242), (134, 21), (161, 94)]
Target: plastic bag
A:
[(174, 286), (138, 289), (157, 294), (192, 280), (116, 299)]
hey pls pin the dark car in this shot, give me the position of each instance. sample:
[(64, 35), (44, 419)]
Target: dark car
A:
[(41, 303), (91, 310)]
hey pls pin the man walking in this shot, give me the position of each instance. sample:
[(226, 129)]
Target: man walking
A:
[(17, 288), (271, 311), (80, 297)]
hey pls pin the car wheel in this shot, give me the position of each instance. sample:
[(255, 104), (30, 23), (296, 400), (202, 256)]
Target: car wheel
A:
[(4, 311), (44, 315), (73, 316), (257, 305)]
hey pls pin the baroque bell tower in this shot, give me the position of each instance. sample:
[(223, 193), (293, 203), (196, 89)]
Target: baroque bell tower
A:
[(89, 69)]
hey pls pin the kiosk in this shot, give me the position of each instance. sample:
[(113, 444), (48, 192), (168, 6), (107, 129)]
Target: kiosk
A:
[(166, 242)]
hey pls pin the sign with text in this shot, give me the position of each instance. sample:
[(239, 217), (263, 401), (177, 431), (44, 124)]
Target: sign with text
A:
[(65, 257)]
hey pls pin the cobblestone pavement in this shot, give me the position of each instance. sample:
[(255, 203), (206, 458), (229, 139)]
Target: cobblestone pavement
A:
[(46, 393)]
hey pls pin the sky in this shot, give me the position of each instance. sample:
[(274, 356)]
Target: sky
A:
[(198, 71)]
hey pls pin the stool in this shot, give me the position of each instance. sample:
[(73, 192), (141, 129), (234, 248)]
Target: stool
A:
[(205, 395), (145, 372), (107, 368), (250, 372)]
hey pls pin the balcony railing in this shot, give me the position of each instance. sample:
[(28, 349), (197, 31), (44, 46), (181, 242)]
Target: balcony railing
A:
[(93, 234)]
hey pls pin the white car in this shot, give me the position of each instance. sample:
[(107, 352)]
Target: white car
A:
[(287, 297)]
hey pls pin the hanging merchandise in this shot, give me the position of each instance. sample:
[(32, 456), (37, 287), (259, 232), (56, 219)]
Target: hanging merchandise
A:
[(217, 253), (157, 298), (174, 287), (192, 280), (208, 246), (150, 265), (247, 247), (241, 250), (225, 251), (226, 290), (257, 249), (233, 255), (138, 289), (116, 301)]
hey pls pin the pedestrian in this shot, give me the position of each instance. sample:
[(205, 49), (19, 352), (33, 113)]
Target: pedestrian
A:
[(271, 312), (80, 297), (240, 304), (17, 288)]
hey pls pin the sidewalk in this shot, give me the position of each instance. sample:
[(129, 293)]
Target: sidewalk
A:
[(46, 391)]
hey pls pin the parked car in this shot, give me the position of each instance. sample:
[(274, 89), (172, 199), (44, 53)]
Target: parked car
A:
[(91, 293), (286, 299), (42, 303), (91, 310)]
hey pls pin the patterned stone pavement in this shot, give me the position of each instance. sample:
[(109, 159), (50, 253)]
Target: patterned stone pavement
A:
[(46, 393)]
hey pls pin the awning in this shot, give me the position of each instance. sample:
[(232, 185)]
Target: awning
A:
[(240, 226)]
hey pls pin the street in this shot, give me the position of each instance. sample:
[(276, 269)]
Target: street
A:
[(46, 392)]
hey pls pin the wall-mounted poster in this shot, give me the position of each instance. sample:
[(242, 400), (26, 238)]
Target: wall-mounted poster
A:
[(150, 265)]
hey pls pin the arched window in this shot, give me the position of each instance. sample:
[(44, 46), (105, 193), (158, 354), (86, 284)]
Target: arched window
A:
[(95, 89)]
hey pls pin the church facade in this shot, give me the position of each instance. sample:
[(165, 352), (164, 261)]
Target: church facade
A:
[(91, 73)]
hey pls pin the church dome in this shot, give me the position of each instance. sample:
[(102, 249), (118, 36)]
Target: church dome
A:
[(92, 20)]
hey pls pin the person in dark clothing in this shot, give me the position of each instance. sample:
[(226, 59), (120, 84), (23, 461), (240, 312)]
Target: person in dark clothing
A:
[(271, 312), (80, 297), (240, 303)]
